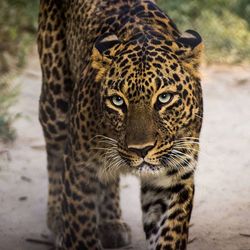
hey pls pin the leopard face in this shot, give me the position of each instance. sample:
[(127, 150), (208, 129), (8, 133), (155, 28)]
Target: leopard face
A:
[(152, 104)]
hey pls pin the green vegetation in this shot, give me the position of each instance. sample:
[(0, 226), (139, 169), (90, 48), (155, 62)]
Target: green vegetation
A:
[(223, 24), (7, 97), (18, 27), (17, 32)]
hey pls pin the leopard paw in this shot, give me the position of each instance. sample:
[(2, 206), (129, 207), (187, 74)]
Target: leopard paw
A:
[(54, 220), (114, 234)]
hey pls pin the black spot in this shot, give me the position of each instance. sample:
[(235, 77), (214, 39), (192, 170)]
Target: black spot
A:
[(160, 14), (162, 205), (48, 41), (179, 52), (158, 247), (52, 129), (68, 242), (73, 236), (91, 243), (177, 244), (177, 229), (172, 172), (111, 72), (164, 231), (110, 20), (146, 207), (145, 189), (87, 233), (55, 73), (169, 43), (61, 125), (168, 238), (184, 195), (137, 10), (148, 228), (49, 27), (67, 188), (81, 246), (124, 62), (64, 205), (68, 85), (156, 42), (72, 209), (62, 105), (185, 93), (176, 77), (158, 82), (183, 244), (174, 214), (177, 188), (56, 89), (87, 189), (83, 219), (187, 175), (179, 87), (167, 247)]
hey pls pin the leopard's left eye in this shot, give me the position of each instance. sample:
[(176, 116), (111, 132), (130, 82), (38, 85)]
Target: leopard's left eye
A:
[(165, 98)]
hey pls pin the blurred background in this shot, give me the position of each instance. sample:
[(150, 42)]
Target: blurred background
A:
[(18, 24), (221, 217)]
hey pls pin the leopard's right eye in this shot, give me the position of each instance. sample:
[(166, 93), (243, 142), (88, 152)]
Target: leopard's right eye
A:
[(117, 101)]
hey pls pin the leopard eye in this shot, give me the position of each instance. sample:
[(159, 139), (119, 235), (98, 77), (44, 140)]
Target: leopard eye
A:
[(117, 100), (164, 98)]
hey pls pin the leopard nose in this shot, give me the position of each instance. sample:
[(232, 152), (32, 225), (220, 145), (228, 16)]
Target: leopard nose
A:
[(141, 151)]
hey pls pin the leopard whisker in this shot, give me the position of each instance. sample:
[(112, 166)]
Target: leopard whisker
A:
[(182, 154), (112, 163), (186, 142), (187, 148), (104, 137), (108, 149), (201, 117), (188, 164), (188, 139)]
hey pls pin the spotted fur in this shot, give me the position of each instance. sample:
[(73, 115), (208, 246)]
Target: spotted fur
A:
[(121, 93)]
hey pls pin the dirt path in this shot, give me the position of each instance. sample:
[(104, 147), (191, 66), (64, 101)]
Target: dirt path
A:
[(222, 204)]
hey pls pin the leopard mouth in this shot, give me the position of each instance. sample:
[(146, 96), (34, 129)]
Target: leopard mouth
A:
[(146, 168)]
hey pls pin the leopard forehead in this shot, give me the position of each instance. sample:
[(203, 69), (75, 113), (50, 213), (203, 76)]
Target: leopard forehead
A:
[(141, 70)]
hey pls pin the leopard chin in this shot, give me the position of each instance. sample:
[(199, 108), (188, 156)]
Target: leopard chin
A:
[(142, 169), (146, 169)]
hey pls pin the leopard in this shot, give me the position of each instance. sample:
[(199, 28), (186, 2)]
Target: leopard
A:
[(121, 94)]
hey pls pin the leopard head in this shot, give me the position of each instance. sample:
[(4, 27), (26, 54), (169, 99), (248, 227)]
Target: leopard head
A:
[(151, 100)]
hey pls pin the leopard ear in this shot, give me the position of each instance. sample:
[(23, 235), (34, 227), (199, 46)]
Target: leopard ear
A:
[(190, 48), (103, 53)]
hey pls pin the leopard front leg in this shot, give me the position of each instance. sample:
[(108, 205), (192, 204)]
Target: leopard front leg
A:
[(55, 166), (113, 231), (79, 207), (57, 85), (166, 214)]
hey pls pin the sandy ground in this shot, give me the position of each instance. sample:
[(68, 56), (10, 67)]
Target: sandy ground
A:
[(221, 214)]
